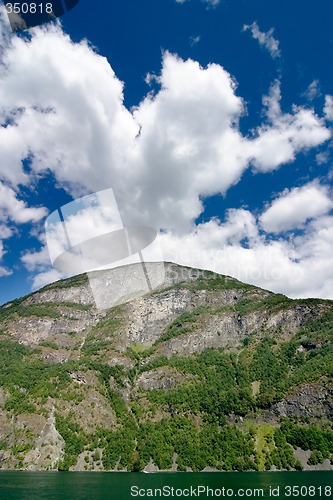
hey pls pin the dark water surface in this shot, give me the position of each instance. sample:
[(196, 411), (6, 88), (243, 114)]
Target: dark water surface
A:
[(126, 486)]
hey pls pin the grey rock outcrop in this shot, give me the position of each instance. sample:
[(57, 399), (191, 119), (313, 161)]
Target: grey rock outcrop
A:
[(310, 400)]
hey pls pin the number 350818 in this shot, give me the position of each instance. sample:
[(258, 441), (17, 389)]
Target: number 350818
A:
[(29, 8)]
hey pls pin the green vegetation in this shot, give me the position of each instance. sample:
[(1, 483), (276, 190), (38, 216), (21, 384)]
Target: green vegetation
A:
[(18, 309), (27, 377), (139, 351), (273, 302), (25, 311), (264, 442), (132, 447), (219, 383), (100, 337), (18, 403), (75, 281), (47, 343), (119, 448), (215, 282), (225, 448), (75, 440), (74, 305), (220, 387), (318, 440), (270, 368), (281, 456), (291, 435), (185, 323)]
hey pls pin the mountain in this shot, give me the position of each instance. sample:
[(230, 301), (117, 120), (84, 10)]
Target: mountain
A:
[(204, 373)]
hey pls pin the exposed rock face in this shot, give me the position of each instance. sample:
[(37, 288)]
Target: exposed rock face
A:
[(77, 294), (147, 317), (307, 401), (304, 455), (49, 445), (35, 330), (162, 378)]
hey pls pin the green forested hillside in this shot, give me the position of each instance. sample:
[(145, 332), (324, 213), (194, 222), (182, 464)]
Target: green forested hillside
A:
[(87, 401)]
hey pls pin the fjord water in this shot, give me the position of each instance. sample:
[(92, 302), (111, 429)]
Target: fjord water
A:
[(125, 486)]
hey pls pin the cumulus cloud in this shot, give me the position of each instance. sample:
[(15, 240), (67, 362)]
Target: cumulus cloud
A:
[(5, 29), (178, 145), (294, 207), (63, 109), (265, 39), (69, 92), (189, 144), (285, 134), (299, 266)]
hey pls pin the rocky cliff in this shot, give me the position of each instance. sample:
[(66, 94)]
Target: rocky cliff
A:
[(205, 371)]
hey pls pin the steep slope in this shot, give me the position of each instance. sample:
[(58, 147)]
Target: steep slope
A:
[(204, 372)]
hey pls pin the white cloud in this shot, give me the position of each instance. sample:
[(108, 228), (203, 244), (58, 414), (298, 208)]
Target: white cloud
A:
[(5, 29), (178, 145), (322, 157), (46, 79), (294, 207), (4, 272), (328, 108), (36, 261), (189, 142), (299, 267), (265, 39), (212, 3), (1, 250), (45, 278), (286, 134), (5, 232), (17, 210)]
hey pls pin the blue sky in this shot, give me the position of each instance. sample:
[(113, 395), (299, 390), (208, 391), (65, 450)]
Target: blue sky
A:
[(210, 120)]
